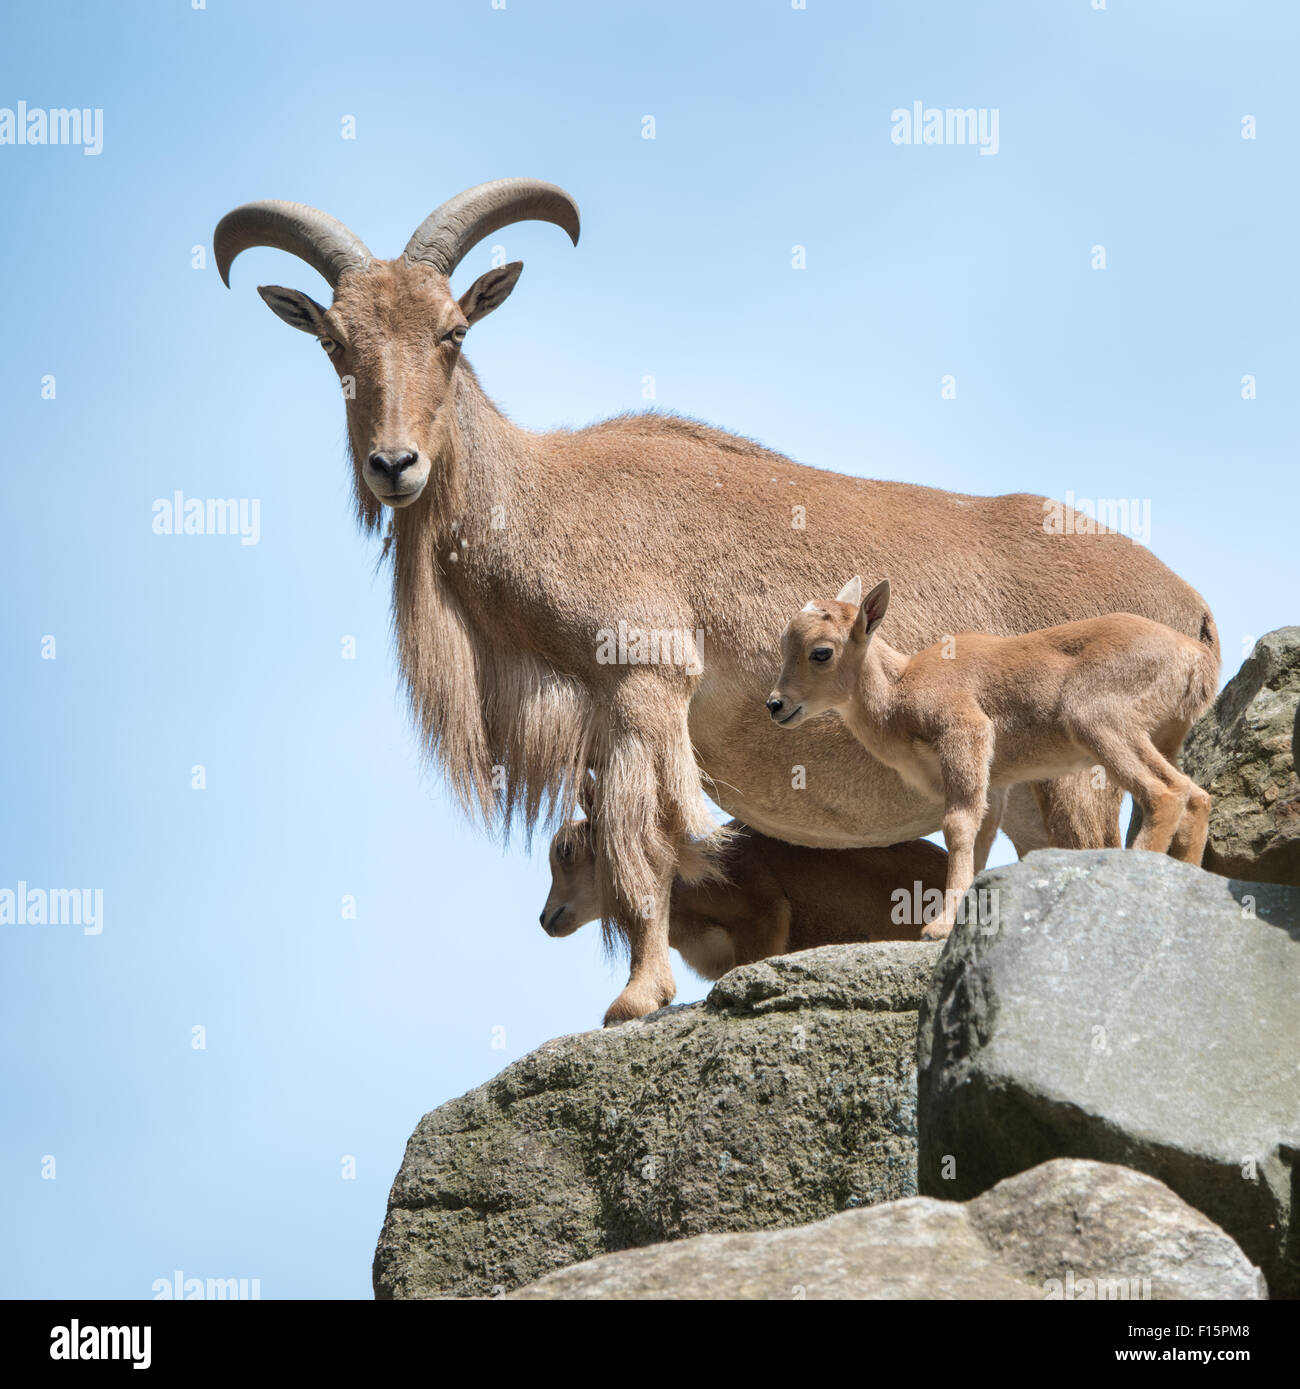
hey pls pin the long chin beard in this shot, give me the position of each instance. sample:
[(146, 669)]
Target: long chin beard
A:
[(443, 498), (369, 509)]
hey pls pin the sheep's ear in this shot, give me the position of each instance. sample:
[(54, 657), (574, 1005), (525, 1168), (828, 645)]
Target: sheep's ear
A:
[(872, 612), (851, 592), (587, 794), (297, 309), (489, 291)]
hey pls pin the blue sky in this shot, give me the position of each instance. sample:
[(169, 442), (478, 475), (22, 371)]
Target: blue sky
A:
[(328, 1037)]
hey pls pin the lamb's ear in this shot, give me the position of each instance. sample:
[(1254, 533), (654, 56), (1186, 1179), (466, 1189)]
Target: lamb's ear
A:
[(872, 612), (297, 309), (851, 592), (587, 794), (489, 291)]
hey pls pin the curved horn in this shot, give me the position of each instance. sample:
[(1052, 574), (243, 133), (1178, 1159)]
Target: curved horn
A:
[(319, 239), (449, 232)]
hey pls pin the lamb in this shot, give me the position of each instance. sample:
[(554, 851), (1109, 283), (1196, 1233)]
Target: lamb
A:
[(978, 711), (759, 897)]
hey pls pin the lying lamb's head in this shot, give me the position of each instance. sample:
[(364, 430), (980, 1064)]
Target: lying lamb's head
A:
[(573, 899), (394, 330), (822, 650)]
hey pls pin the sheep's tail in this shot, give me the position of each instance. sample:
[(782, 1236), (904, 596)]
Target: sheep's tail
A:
[(707, 860), (1203, 680)]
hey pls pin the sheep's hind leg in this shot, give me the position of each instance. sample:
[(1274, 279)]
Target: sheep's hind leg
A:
[(1160, 790), (768, 936), (989, 827), (1077, 814), (1194, 826)]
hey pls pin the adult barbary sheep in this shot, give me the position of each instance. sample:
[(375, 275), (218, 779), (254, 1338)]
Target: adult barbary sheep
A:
[(514, 551)]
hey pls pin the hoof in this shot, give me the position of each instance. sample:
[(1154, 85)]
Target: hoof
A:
[(937, 930), (628, 1006)]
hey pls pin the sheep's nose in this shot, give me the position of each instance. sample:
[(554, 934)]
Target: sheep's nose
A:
[(391, 464), (775, 705)]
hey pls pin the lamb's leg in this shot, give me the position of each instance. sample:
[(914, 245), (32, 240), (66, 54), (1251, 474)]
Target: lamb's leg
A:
[(769, 934), (1193, 824), (989, 827), (960, 825), (964, 758), (1159, 789), (1194, 827), (1024, 821)]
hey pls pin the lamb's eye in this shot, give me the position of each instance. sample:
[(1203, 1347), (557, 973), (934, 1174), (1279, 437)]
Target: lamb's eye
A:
[(820, 653), (329, 345)]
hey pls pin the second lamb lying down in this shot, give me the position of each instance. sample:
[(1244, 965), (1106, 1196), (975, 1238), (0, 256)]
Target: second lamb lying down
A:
[(760, 897), (975, 712)]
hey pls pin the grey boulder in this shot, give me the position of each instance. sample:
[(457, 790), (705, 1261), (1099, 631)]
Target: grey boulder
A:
[(1123, 1007), (788, 1095), (1243, 753), (1066, 1230)]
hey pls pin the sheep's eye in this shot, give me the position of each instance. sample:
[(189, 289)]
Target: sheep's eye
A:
[(820, 653), (329, 345), (457, 335)]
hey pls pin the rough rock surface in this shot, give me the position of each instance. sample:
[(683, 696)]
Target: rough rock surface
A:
[(1065, 1230), (787, 1095), (1124, 1007), (1243, 752)]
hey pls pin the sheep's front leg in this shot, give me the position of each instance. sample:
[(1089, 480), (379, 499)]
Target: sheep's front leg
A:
[(960, 826), (647, 800), (964, 758), (650, 982)]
